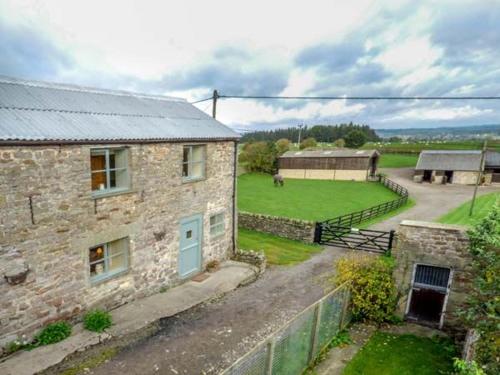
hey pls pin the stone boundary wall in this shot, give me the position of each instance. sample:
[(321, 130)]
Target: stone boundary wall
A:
[(255, 258), (441, 245), (299, 230)]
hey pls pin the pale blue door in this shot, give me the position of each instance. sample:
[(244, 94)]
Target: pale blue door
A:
[(190, 246)]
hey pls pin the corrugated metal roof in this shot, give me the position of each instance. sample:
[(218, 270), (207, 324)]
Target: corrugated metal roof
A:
[(492, 159), (39, 111), (453, 160), (340, 153)]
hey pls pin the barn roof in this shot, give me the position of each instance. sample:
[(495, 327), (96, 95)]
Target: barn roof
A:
[(450, 160), (339, 153), (492, 159), (32, 111)]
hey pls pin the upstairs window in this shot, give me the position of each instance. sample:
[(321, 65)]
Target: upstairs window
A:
[(193, 163), (108, 259), (216, 224), (109, 170)]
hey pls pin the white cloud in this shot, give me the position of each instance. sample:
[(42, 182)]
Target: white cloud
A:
[(444, 113)]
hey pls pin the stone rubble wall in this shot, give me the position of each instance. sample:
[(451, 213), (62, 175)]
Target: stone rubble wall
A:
[(434, 244), (255, 258), (68, 221), (299, 230)]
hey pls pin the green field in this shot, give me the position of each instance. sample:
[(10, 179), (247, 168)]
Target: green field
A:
[(416, 147), (313, 200), (398, 160), (402, 355), (278, 250), (461, 216)]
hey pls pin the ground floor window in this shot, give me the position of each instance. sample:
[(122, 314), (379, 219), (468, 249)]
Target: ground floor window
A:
[(216, 224), (108, 259)]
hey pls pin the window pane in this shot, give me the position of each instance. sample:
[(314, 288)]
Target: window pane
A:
[(96, 260), (120, 158), (117, 262), (217, 224), (98, 181), (97, 162), (185, 156), (112, 179), (197, 169), (117, 247), (185, 169), (112, 164), (198, 153)]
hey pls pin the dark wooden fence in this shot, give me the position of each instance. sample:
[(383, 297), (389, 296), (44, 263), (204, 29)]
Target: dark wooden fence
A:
[(358, 217)]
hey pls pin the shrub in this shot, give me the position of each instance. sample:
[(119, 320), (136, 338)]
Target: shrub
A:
[(308, 142), (462, 367), (373, 291), (53, 333), (483, 303), (339, 143), (97, 320), (282, 146), (355, 138), (259, 156)]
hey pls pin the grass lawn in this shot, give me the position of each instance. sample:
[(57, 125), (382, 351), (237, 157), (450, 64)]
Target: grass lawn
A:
[(313, 200), (278, 250), (460, 215), (397, 160), (390, 354)]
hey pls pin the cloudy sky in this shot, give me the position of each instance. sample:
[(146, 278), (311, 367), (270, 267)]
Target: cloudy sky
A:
[(344, 47)]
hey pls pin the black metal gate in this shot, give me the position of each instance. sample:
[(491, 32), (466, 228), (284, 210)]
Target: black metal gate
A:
[(353, 238)]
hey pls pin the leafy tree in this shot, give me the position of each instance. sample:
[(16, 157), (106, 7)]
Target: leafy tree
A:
[(260, 157), (339, 143), (282, 146), (308, 142), (355, 138), (483, 306)]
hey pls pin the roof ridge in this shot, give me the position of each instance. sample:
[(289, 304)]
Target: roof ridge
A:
[(87, 89)]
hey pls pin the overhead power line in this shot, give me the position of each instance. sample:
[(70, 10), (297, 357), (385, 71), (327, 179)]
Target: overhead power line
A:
[(360, 97)]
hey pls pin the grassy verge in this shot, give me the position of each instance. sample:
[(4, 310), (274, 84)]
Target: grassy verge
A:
[(314, 200), (397, 160), (278, 250), (460, 215), (402, 355)]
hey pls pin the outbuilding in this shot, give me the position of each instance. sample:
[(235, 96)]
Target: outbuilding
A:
[(341, 164), (456, 166)]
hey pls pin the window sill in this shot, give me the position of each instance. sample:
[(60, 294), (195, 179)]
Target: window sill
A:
[(95, 280), (187, 180), (111, 193)]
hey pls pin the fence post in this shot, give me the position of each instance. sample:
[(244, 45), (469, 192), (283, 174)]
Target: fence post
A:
[(345, 304), (317, 232), (391, 240), (315, 330), (270, 356)]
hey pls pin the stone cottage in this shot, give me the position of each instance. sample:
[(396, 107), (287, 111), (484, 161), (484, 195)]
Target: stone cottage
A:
[(105, 197)]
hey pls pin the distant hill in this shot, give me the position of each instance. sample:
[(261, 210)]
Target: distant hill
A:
[(444, 133)]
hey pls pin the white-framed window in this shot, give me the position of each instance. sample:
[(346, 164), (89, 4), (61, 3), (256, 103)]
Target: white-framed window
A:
[(108, 259), (109, 168), (217, 224), (193, 162)]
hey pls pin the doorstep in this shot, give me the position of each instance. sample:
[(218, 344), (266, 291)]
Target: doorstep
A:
[(134, 317)]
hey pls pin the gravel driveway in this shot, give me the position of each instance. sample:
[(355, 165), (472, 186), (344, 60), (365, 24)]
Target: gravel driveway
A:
[(208, 338)]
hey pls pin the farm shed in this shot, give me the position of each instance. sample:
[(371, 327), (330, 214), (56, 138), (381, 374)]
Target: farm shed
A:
[(343, 164), (456, 166)]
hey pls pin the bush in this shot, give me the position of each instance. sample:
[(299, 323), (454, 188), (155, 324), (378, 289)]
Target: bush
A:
[(282, 146), (355, 138), (97, 320), (308, 142), (462, 367), (259, 156), (53, 333), (373, 291)]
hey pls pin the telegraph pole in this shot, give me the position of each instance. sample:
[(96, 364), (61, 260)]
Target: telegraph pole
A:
[(215, 96), (300, 131), (479, 176)]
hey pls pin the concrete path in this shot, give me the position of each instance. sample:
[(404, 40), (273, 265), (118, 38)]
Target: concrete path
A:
[(133, 317), (432, 201)]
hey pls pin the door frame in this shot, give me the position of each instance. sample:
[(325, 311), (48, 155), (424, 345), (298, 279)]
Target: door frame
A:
[(448, 287), (199, 218)]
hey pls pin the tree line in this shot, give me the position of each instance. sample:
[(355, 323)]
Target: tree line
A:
[(321, 133)]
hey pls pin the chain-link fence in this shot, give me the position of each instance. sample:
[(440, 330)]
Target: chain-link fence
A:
[(291, 349)]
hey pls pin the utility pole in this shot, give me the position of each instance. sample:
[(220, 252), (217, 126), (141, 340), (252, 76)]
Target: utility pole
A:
[(300, 131), (214, 103), (479, 176)]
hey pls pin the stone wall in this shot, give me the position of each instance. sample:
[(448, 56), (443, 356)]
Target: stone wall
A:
[(293, 229), (439, 245), (464, 178), (68, 221)]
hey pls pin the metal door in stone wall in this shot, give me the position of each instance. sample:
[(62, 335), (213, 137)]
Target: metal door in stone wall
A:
[(190, 246)]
